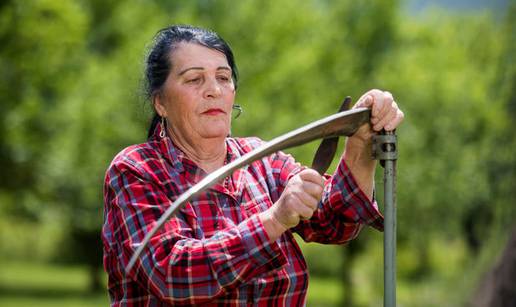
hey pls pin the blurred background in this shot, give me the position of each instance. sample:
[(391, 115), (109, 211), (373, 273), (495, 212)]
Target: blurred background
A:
[(71, 97)]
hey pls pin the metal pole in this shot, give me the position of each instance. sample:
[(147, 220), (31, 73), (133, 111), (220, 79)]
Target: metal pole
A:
[(385, 149), (389, 239)]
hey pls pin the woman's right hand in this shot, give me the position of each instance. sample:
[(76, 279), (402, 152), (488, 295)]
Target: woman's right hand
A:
[(297, 202)]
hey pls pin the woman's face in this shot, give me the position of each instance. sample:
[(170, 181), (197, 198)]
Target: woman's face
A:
[(198, 94)]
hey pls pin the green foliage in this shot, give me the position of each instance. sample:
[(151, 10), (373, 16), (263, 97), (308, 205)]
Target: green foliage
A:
[(45, 42), (71, 98), (442, 75), (40, 284)]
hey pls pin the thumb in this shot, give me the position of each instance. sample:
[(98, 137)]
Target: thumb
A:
[(365, 102)]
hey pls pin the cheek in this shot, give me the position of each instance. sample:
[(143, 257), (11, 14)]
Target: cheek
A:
[(230, 97), (183, 105)]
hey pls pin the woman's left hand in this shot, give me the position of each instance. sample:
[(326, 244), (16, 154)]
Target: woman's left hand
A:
[(385, 114)]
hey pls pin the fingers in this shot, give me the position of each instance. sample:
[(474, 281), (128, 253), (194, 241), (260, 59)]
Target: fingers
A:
[(383, 105), (306, 208), (310, 189), (366, 101), (304, 203), (396, 121), (300, 198), (313, 189), (383, 120), (311, 175), (385, 112)]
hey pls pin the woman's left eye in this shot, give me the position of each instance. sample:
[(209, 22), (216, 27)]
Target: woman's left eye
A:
[(223, 78), (193, 80)]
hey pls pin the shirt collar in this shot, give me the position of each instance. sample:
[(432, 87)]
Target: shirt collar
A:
[(179, 160), (168, 150), (237, 178)]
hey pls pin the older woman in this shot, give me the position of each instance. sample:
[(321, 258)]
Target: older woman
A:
[(234, 244)]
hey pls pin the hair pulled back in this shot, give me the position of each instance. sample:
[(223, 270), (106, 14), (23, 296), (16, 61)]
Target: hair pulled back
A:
[(159, 60)]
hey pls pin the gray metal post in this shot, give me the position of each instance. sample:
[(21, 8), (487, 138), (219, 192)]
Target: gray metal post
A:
[(385, 150)]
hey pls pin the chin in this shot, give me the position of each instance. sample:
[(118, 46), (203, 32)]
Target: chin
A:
[(215, 132), (217, 129)]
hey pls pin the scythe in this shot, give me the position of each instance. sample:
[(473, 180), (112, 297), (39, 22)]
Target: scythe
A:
[(344, 123)]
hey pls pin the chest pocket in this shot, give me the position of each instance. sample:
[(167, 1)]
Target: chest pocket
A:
[(207, 216), (202, 214)]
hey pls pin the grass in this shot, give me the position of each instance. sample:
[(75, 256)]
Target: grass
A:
[(324, 292), (450, 282), (42, 284), (38, 284)]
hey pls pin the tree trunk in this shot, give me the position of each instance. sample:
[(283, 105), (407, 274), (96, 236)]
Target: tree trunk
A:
[(350, 252), (95, 278), (347, 297), (498, 287)]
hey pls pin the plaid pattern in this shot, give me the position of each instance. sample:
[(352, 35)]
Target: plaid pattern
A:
[(215, 251)]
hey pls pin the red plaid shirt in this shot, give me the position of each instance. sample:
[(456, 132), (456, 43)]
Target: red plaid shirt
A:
[(215, 250)]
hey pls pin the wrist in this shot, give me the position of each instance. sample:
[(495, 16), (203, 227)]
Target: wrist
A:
[(358, 154), (273, 227), (362, 166)]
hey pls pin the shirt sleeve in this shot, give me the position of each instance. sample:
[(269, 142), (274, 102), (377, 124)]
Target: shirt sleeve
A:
[(344, 207), (176, 267)]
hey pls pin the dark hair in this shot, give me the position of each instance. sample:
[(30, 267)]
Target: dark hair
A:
[(159, 62)]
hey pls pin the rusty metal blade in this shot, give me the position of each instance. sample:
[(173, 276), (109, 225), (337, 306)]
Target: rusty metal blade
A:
[(326, 150), (344, 123)]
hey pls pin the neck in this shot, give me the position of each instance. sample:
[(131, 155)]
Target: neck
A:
[(208, 154)]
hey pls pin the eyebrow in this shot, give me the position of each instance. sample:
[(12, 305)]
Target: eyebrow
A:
[(202, 68)]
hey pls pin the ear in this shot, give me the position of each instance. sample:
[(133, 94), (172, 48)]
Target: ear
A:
[(159, 106)]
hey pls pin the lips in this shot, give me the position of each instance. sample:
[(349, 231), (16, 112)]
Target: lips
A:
[(214, 111)]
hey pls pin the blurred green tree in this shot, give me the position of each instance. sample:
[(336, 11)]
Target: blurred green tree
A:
[(443, 74)]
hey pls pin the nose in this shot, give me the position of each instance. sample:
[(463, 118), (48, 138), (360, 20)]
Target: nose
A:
[(212, 89)]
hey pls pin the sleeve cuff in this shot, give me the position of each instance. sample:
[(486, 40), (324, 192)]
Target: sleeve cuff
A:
[(347, 197), (264, 254)]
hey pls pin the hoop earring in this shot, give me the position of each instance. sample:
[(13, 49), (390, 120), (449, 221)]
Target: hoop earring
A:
[(162, 133), (239, 109)]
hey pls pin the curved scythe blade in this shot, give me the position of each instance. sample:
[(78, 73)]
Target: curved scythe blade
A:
[(344, 123), (326, 151)]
